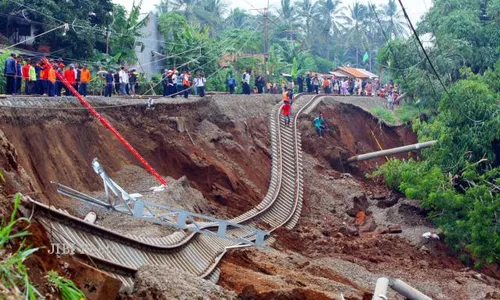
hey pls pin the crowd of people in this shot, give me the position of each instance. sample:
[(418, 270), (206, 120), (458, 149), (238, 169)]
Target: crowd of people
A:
[(39, 78), (315, 84), (42, 79), (180, 84)]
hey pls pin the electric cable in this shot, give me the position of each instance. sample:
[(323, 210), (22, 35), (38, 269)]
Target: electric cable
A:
[(430, 62)]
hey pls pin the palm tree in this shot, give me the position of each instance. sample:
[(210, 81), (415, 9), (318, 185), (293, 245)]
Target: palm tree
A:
[(186, 7), (237, 18), (330, 11), (210, 12), (307, 10), (356, 35), (394, 20), (287, 14)]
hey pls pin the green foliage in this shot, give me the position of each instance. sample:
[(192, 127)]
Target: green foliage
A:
[(218, 82), (78, 43), (383, 115), (155, 81), (126, 27), (13, 272), (3, 57), (406, 112), (66, 287), (466, 127), (458, 183), (469, 220)]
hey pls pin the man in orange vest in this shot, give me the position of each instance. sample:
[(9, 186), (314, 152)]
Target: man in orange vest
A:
[(84, 80), (51, 78), (326, 86), (186, 83)]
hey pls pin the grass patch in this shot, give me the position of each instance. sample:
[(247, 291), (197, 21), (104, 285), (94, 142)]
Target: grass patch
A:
[(405, 113), (14, 277), (384, 115)]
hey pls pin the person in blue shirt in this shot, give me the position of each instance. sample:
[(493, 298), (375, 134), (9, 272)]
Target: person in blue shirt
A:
[(231, 84), (108, 89), (10, 73), (319, 124), (19, 75)]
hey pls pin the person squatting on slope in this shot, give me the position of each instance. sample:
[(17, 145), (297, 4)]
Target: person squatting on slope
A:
[(319, 124)]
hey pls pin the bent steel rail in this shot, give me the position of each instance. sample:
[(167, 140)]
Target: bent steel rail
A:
[(195, 253)]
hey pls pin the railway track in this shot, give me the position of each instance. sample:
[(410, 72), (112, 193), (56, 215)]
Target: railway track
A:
[(199, 254)]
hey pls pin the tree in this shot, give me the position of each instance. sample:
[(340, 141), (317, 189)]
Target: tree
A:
[(330, 12), (307, 11), (126, 29), (88, 17), (356, 34), (394, 20)]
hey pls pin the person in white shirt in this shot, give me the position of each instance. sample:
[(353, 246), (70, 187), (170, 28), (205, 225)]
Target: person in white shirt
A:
[(123, 81), (199, 83)]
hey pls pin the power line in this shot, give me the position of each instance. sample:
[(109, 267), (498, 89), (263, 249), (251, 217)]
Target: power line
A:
[(37, 11), (429, 60)]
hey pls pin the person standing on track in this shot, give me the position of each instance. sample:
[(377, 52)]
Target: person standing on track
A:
[(123, 81), (286, 110), (319, 124), (108, 89), (26, 77), (246, 82), (186, 83), (19, 74), (51, 80), (31, 78), (132, 82), (231, 84), (10, 72), (69, 74), (315, 83), (200, 82), (300, 83), (85, 80)]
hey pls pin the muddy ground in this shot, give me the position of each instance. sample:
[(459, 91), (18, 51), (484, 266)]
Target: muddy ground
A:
[(221, 165)]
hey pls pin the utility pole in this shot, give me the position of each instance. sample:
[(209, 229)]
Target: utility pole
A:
[(266, 42)]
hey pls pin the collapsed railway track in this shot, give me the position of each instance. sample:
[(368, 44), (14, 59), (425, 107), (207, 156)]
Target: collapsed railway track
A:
[(199, 254)]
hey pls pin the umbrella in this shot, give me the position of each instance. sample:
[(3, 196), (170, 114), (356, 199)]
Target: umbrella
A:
[(101, 72)]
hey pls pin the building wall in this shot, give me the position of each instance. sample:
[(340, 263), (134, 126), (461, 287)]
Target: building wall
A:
[(152, 40)]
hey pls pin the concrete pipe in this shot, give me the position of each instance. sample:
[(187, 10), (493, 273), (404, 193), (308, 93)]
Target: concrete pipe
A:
[(397, 150), (405, 290), (381, 289)]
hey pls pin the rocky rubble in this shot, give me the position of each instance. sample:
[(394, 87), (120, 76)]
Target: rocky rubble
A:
[(162, 282)]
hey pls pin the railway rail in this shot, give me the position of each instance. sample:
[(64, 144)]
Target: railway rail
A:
[(199, 254)]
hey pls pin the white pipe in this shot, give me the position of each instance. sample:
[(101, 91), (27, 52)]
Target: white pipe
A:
[(397, 150), (409, 292), (381, 289)]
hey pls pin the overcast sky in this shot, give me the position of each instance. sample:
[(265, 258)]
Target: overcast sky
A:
[(415, 8)]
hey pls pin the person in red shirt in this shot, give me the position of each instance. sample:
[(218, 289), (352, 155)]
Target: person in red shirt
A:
[(70, 76), (26, 76), (286, 111)]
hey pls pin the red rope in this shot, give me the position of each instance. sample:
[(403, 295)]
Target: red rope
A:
[(109, 126)]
